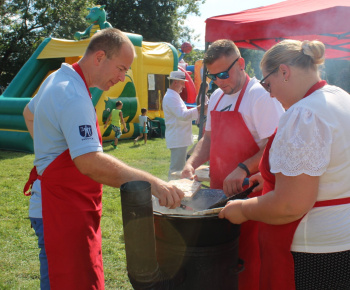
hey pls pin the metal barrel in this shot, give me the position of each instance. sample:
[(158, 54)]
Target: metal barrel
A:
[(137, 213)]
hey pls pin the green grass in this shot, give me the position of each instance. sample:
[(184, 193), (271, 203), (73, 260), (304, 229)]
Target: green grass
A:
[(19, 262)]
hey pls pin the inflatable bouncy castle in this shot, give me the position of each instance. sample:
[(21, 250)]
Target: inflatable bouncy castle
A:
[(144, 87)]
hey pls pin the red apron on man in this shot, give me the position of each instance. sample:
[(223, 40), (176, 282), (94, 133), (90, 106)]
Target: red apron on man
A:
[(71, 216), (277, 263), (232, 143), (71, 208)]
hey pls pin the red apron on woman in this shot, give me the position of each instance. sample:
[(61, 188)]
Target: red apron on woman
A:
[(71, 208), (277, 263), (232, 143)]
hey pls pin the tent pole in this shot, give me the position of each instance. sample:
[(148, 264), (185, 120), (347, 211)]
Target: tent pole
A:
[(202, 97)]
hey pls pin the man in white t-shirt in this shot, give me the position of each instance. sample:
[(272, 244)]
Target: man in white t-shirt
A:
[(241, 117)]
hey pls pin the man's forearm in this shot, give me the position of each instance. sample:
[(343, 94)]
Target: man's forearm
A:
[(108, 170), (252, 163)]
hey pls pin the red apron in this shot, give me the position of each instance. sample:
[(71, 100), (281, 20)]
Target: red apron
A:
[(232, 143), (277, 264), (71, 207)]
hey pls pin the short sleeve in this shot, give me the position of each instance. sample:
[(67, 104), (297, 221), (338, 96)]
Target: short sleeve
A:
[(31, 104), (302, 144), (80, 132)]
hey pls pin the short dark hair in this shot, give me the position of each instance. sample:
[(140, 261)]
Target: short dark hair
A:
[(219, 48), (110, 40), (143, 110), (118, 103)]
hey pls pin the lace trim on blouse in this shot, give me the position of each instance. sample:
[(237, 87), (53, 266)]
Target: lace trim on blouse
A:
[(302, 144)]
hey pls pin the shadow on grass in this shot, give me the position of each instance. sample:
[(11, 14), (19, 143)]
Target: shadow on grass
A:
[(7, 154)]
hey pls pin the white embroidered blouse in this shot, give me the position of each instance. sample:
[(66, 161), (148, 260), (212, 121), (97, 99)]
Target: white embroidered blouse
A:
[(313, 138)]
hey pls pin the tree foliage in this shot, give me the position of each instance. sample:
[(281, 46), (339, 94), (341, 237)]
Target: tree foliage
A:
[(25, 23), (193, 56), (155, 20)]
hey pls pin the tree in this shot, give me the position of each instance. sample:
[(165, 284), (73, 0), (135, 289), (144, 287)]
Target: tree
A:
[(155, 20), (252, 58), (193, 56), (25, 23)]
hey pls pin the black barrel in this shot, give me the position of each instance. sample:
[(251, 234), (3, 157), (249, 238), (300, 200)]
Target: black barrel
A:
[(137, 212), (204, 247), (142, 266)]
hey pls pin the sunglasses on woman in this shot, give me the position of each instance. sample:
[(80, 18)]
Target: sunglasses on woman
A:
[(265, 85), (222, 75)]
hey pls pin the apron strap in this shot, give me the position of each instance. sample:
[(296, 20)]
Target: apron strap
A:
[(240, 97), (33, 175), (338, 201), (78, 69), (241, 94)]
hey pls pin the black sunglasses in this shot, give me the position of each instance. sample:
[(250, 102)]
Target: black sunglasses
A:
[(222, 75), (265, 85)]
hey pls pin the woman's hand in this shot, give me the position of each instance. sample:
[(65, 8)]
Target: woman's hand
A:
[(233, 212)]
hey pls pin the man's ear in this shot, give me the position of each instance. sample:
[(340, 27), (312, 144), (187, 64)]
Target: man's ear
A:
[(99, 56), (241, 63)]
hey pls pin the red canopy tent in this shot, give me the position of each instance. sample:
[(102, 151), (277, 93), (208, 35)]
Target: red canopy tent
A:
[(261, 28)]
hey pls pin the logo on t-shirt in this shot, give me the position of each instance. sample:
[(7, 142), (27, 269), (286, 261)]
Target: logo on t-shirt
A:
[(227, 108), (85, 131)]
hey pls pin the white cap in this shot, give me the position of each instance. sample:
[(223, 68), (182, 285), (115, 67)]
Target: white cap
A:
[(178, 76)]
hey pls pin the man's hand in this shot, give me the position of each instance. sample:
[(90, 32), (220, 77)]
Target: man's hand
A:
[(188, 172), (125, 129), (205, 109), (168, 195), (233, 212), (256, 178), (234, 181)]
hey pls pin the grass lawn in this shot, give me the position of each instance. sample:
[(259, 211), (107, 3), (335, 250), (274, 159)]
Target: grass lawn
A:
[(19, 262)]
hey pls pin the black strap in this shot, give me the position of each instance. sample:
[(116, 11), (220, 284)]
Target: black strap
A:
[(244, 167)]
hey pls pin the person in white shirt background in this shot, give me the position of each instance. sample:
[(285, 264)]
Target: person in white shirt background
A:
[(178, 122)]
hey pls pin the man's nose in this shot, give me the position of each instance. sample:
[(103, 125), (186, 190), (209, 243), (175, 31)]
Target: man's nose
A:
[(121, 77), (218, 82)]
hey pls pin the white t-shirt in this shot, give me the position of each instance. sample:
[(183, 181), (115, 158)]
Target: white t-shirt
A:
[(260, 112), (313, 138), (64, 117), (178, 120), (142, 121)]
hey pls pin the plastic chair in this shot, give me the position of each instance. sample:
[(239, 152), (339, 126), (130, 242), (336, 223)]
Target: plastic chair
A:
[(154, 128)]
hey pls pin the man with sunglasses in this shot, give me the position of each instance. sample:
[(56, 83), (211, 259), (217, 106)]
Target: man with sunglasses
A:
[(241, 117)]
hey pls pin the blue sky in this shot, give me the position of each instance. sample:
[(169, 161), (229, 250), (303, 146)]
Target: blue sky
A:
[(219, 7)]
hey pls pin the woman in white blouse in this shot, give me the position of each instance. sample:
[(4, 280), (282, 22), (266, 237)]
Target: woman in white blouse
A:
[(305, 207)]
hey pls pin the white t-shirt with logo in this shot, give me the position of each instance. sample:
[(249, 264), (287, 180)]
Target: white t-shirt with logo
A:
[(260, 112)]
